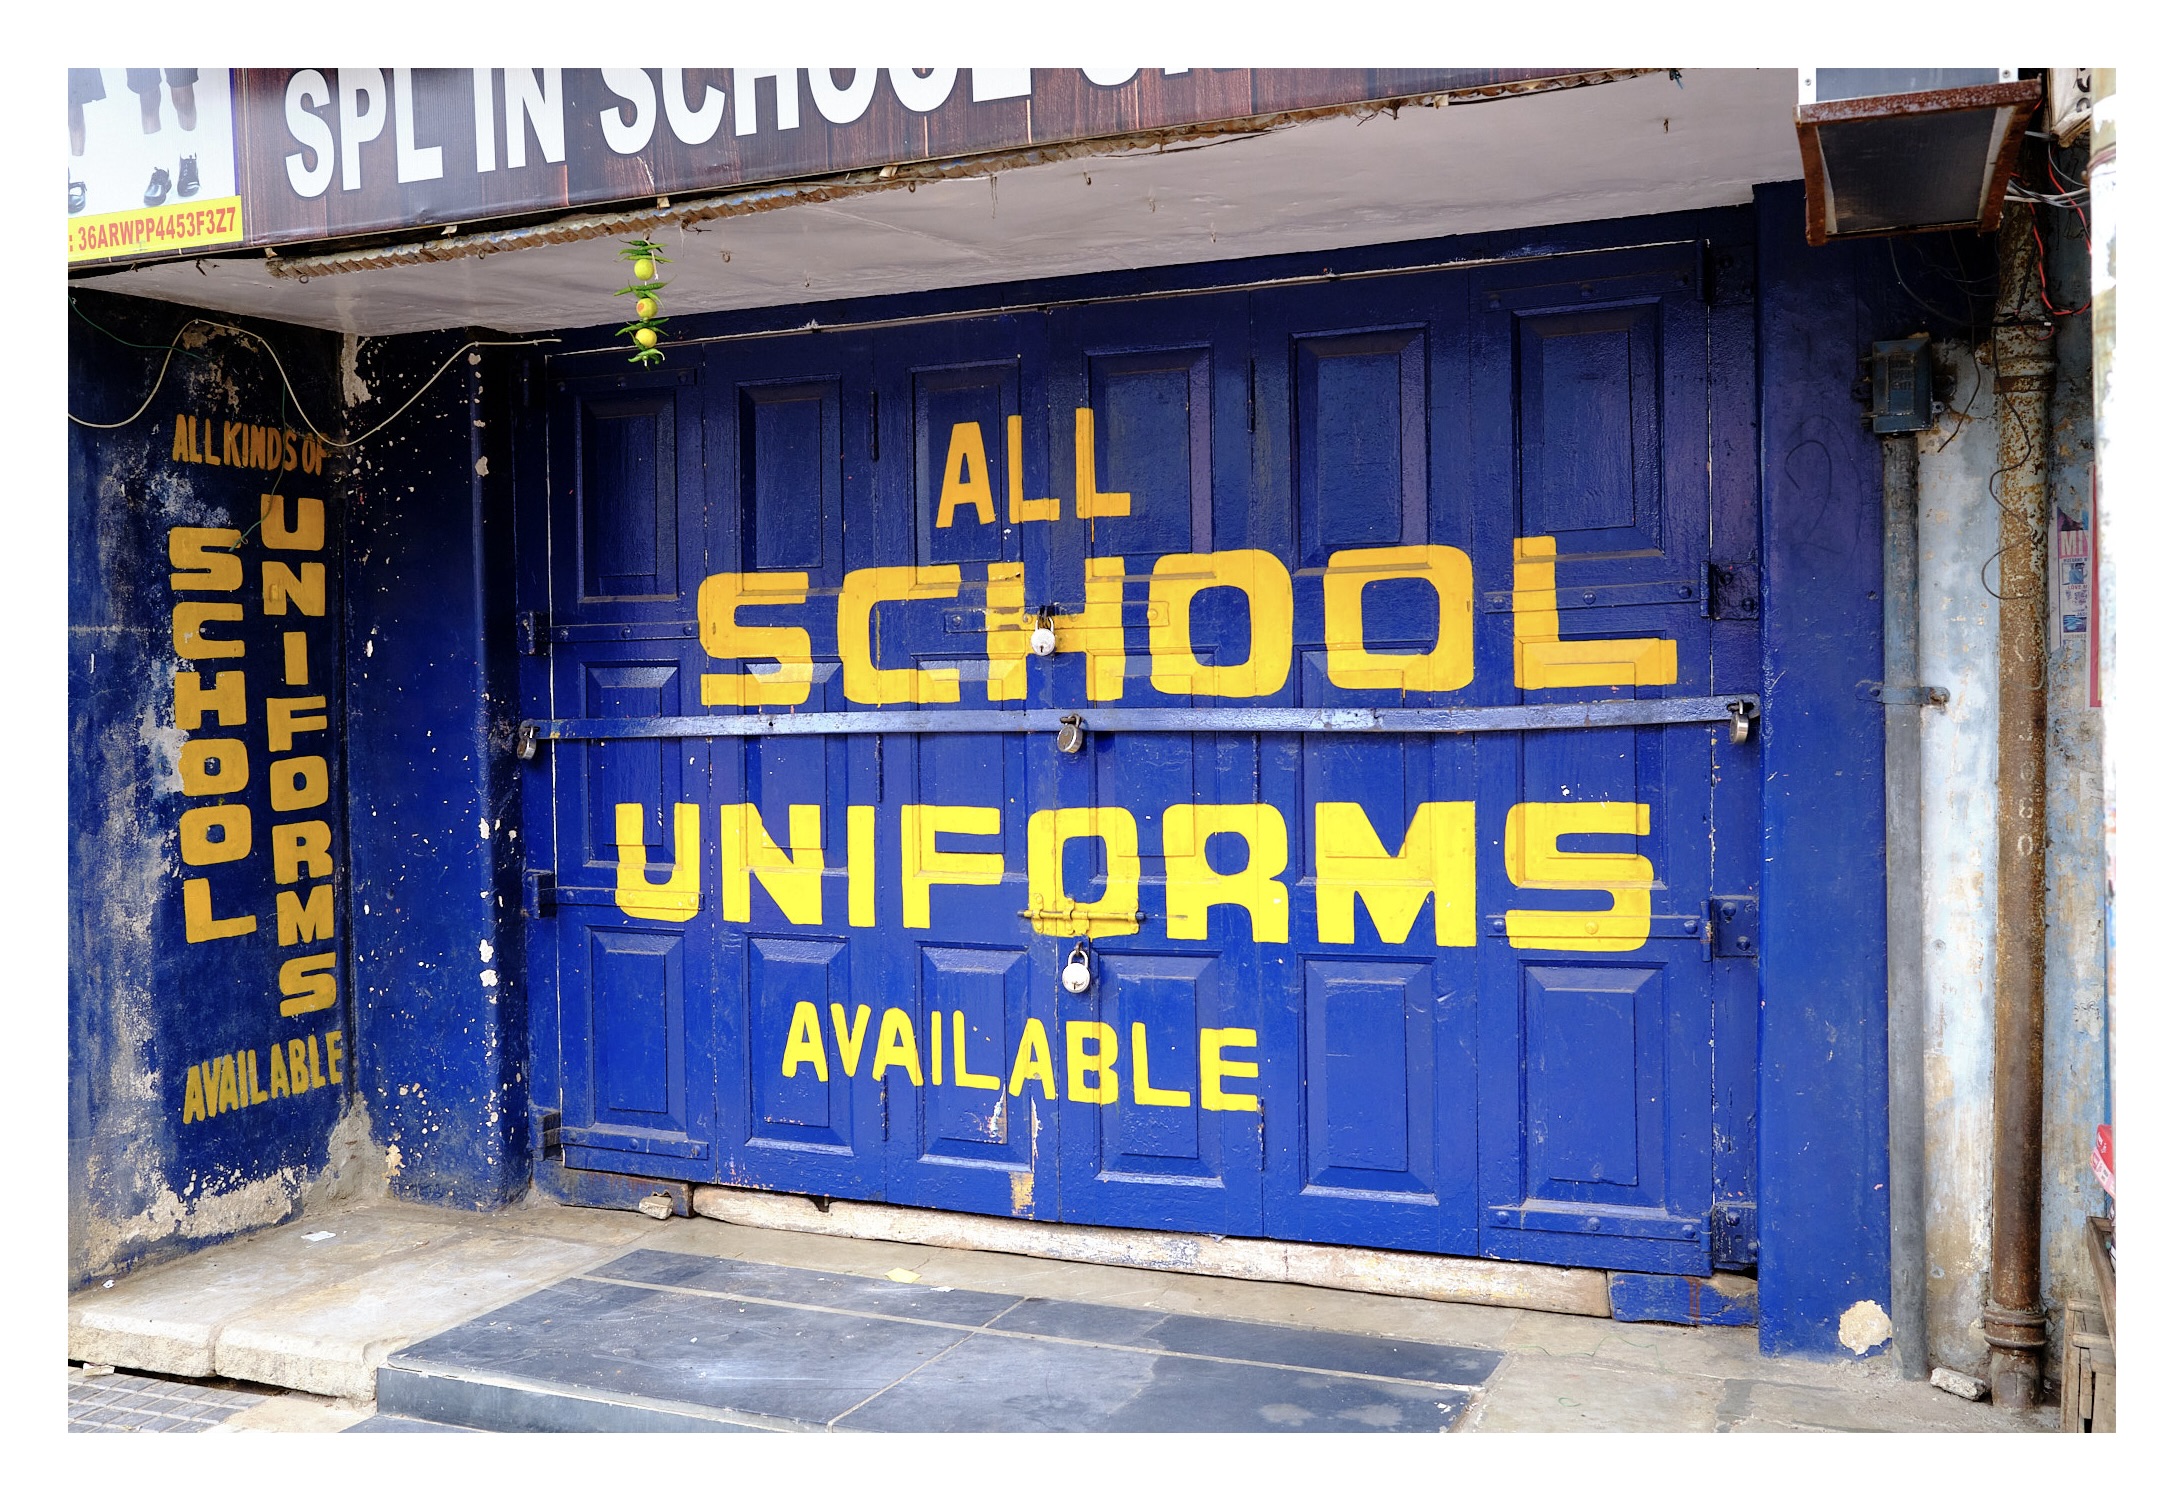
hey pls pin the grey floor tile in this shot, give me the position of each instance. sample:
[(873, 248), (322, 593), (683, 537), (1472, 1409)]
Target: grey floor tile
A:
[(389, 1423), (909, 1300)]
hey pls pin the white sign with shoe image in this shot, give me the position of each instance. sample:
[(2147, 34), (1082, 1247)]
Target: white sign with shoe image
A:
[(151, 161)]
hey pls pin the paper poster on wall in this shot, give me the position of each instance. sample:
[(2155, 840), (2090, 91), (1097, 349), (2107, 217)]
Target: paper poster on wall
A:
[(151, 162)]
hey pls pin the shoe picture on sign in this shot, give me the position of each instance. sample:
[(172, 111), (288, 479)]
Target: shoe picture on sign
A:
[(156, 193), (78, 196), (187, 185)]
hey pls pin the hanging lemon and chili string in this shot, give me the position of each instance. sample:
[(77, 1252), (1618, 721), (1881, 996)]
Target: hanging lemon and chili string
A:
[(645, 259)]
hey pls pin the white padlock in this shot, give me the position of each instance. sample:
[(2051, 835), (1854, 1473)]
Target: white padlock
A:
[(1077, 973), (1042, 641)]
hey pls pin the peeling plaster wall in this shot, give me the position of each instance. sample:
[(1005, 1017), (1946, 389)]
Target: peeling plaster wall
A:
[(145, 1003)]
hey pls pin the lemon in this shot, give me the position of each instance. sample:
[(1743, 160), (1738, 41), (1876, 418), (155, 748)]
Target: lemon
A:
[(647, 307), (646, 338), (642, 268)]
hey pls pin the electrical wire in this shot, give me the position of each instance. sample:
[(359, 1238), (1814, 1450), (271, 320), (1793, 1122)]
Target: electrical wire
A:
[(293, 401)]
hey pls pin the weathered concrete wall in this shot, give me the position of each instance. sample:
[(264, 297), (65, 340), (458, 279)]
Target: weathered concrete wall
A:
[(208, 1087)]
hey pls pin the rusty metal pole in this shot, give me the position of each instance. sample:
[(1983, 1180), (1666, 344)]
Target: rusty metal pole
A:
[(2024, 365)]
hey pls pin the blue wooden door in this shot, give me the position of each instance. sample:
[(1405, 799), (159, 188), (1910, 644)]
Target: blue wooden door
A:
[(1359, 979)]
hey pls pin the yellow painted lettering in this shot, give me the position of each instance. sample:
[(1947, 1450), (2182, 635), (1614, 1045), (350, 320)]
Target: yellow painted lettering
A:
[(199, 562), (257, 1095), (192, 700), (1438, 858), (230, 452), (277, 1070), (307, 534), (295, 659), (1544, 660), (963, 480), (849, 1042), (1020, 509), (310, 1049), (1142, 1091), (193, 1095), (198, 923), (225, 1075), (719, 632), (1091, 500), (230, 822), (805, 1044), (286, 718), (335, 1052), (862, 873), (1091, 1049), (1177, 580), (191, 616), (672, 900), (301, 849), (1095, 635), (1052, 908), (299, 1066), (1447, 666), (897, 1047), (863, 591), (306, 588), (297, 783), (1535, 861), (181, 454), (963, 1076), (792, 877), (307, 919), (1213, 1068), (925, 866), (1034, 1059), (212, 766), (307, 984), (1194, 885)]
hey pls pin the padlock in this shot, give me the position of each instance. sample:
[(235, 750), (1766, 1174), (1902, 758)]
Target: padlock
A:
[(1042, 638), (1077, 973)]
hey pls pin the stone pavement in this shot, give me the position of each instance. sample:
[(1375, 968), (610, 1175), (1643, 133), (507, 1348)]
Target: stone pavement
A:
[(409, 1319)]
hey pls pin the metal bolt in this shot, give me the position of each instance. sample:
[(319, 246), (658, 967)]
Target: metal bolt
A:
[(1498, 925), (1691, 925), (1501, 1216), (1593, 1223), (1734, 1217), (1728, 909), (1744, 943), (1589, 596), (1683, 591), (625, 633), (1691, 1232)]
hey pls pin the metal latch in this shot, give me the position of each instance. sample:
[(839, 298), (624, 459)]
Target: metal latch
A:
[(538, 893), (1919, 695), (1735, 1234), (1734, 922), (526, 740), (531, 633), (549, 1134)]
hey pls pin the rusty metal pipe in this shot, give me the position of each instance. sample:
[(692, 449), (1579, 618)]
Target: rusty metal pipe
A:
[(2016, 1322)]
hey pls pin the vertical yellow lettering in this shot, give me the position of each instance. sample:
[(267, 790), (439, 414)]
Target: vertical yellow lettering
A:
[(297, 783), (1438, 858), (805, 1045), (310, 1048), (198, 923), (1091, 1047), (792, 877), (295, 659), (193, 1096), (286, 718), (1141, 1075), (307, 985), (719, 632), (850, 1043), (334, 1054), (1177, 580), (1536, 862), (925, 866), (897, 1047), (283, 584), (213, 766), (191, 616), (308, 534), (1095, 635), (301, 849), (277, 1070), (940, 1061), (1213, 1068), (225, 699), (309, 919), (1545, 660), (1091, 500), (1020, 509), (1052, 909), (257, 1095), (964, 1078), (199, 563), (1194, 885), (863, 591), (1446, 667), (963, 480), (229, 1099), (229, 454), (299, 1066), (672, 900), (1034, 1059), (231, 821), (862, 866), (181, 454)]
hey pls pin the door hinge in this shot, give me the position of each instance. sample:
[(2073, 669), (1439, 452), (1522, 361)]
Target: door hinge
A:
[(1734, 923), (538, 893), (549, 1135), (1735, 1234), (1732, 591), (531, 633)]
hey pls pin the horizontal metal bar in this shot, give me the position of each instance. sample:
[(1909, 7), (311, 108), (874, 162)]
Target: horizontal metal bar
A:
[(1601, 714)]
